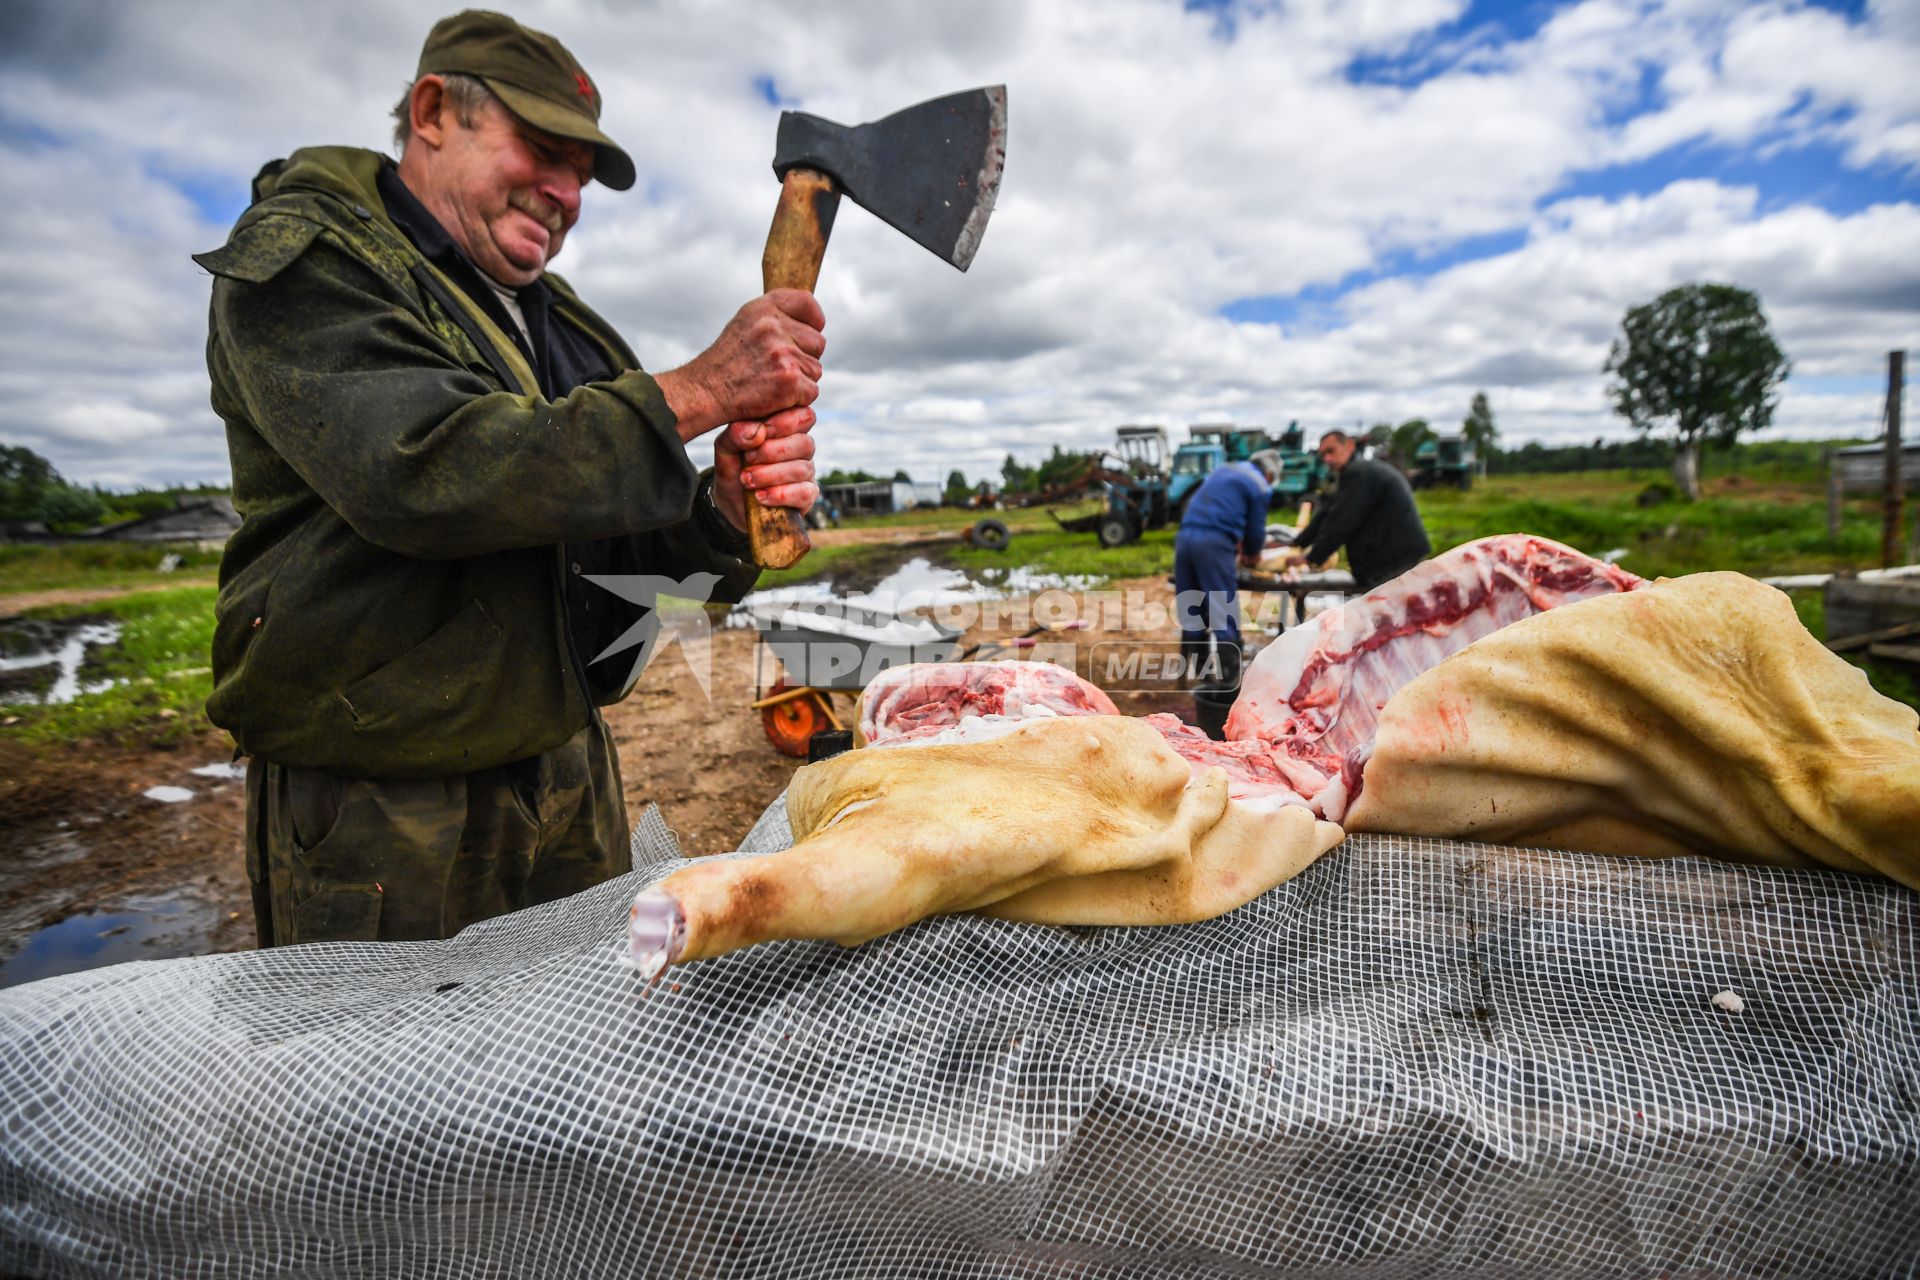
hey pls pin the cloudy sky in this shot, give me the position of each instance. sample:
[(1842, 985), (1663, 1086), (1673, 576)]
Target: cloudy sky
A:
[(1333, 211)]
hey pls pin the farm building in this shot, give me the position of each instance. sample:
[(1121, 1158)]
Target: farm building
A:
[(1862, 467)]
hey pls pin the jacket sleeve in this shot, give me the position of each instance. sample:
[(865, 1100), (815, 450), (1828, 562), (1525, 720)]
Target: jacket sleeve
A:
[(1303, 537), (704, 544), (1255, 536), (340, 370), (687, 560), (1349, 507)]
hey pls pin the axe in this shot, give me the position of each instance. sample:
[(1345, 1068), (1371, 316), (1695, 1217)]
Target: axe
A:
[(929, 171)]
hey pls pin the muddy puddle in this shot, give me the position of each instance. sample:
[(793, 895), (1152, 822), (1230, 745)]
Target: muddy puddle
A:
[(144, 927), (45, 660)]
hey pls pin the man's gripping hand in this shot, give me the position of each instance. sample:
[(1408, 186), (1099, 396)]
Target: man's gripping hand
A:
[(774, 458), (765, 361)]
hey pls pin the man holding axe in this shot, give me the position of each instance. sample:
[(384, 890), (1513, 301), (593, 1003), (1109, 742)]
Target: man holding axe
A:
[(436, 446)]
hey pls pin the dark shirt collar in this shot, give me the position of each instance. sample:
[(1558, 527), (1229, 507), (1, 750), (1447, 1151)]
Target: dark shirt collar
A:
[(431, 239), (563, 357)]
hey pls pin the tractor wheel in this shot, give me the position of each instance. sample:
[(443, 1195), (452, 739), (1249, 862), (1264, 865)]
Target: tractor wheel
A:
[(792, 723), (992, 535), (1116, 530)]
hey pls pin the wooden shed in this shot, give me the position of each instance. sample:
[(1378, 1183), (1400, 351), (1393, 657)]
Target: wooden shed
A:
[(1862, 467)]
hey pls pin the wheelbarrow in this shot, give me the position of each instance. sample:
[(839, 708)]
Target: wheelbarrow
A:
[(833, 647)]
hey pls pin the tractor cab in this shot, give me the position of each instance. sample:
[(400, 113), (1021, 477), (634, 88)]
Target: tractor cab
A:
[(1444, 461), (1143, 450)]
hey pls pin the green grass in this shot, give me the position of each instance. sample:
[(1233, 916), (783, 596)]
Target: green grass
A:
[(1050, 549), (1770, 520), (97, 564), (159, 665), (1773, 521), (1776, 529), (952, 518)]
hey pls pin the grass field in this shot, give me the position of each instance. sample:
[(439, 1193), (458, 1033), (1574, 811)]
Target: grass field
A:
[(1761, 525), (1762, 520), (158, 667), (99, 565)]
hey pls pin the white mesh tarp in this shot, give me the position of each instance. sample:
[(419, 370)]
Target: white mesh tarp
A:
[(1416, 1058)]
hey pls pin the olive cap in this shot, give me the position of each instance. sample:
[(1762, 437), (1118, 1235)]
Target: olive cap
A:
[(534, 75)]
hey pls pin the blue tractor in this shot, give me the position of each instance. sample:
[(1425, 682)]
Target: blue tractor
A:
[(1209, 446)]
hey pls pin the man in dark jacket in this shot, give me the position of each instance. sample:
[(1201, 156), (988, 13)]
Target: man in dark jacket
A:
[(1371, 514), (436, 447)]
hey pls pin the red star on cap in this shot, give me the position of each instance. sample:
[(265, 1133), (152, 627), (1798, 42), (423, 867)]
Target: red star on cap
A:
[(586, 85)]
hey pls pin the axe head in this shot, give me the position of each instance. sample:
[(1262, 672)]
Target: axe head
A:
[(929, 171)]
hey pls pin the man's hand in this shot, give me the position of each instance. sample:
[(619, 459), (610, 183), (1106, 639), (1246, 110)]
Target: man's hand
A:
[(774, 458), (765, 361)]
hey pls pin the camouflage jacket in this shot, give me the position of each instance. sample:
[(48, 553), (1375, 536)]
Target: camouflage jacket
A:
[(417, 519)]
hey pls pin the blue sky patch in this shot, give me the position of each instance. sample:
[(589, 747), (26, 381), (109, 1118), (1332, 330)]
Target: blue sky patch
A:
[(1848, 385), (219, 198), (1317, 306), (1486, 23), (769, 91), (1813, 173), (1226, 24), (26, 135)]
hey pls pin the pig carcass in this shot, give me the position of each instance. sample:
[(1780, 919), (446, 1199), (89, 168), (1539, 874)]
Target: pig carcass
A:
[(1511, 689), (1314, 696)]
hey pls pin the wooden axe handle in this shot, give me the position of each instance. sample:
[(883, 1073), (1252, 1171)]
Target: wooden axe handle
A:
[(798, 241)]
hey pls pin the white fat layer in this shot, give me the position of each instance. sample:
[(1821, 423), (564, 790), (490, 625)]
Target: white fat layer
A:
[(1330, 802), (970, 728)]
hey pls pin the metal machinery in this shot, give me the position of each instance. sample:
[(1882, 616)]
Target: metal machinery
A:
[(823, 647), (1214, 445), (1134, 489), (832, 646), (1444, 461)]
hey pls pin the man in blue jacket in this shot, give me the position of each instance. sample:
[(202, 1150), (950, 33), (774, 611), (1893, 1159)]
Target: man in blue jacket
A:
[(1225, 526)]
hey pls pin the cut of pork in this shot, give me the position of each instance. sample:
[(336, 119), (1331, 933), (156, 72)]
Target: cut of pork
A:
[(1316, 692), (936, 695), (1694, 716), (1077, 819), (1256, 773), (945, 703), (1303, 726)]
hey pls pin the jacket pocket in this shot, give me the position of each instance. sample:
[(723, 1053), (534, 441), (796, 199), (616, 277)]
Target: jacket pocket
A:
[(338, 913), (440, 679)]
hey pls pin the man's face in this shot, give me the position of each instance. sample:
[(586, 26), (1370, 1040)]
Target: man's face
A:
[(1337, 453), (507, 192)]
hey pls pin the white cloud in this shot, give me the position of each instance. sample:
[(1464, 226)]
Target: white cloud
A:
[(1157, 170)]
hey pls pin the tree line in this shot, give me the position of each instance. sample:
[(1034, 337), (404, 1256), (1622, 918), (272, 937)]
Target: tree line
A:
[(33, 492)]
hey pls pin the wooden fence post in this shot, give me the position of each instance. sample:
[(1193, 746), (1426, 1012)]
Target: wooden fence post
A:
[(1894, 484), (1833, 497)]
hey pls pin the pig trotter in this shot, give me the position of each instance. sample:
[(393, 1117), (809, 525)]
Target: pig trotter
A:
[(656, 933)]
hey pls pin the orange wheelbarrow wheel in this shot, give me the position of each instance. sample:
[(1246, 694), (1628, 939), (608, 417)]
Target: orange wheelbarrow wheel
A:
[(790, 724)]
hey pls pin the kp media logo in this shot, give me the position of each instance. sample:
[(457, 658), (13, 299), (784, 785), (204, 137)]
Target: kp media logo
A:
[(692, 631), (1161, 666)]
